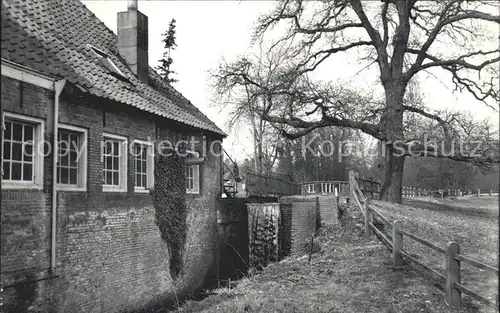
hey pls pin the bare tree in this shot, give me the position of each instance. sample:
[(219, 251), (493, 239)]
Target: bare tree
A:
[(402, 38)]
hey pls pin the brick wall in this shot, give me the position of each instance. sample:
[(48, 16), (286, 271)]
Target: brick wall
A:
[(110, 255), (285, 231), (299, 218), (328, 210), (232, 238)]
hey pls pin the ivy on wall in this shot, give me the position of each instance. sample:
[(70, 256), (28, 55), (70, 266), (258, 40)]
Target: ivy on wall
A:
[(169, 200)]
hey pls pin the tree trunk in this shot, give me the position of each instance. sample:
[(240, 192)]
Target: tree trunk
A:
[(392, 122), (393, 179)]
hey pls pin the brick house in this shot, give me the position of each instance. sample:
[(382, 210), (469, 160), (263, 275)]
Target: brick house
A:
[(70, 81)]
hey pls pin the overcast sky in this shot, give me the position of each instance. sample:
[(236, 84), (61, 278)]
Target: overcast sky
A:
[(208, 31)]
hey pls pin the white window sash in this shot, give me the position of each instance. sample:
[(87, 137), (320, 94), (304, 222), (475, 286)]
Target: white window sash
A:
[(38, 139), (122, 163), (81, 184), (196, 175), (149, 166)]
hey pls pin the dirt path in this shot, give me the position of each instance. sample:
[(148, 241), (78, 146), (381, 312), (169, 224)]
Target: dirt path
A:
[(351, 273)]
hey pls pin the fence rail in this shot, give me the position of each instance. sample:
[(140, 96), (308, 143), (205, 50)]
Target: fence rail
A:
[(423, 241), (410, 192), (452, 273), (484, 267)]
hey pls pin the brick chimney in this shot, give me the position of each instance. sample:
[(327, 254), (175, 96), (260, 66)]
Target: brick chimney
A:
[(133, 39)]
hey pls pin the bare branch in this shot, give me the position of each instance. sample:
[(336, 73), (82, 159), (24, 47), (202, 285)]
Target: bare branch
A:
[(443, 21)]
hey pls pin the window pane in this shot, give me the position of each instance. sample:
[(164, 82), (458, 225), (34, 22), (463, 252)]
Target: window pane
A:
[(137, 166), (6, 150), (115, 178), (73, 142), (116, 150), (144, 167), (116, 161), (64, 175), (27, 172), (17, 151), (8, 130), (107, 147), (143, 181), (63, 137), (18, 131), (72, 176), (28, 132), (137, 179), (28, 152), (16, 171), (109, 162), (72, 159), (64, 158), (109, 178), (6, 170)]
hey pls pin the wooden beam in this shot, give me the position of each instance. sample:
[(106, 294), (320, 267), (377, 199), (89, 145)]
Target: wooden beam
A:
[(28, 75)]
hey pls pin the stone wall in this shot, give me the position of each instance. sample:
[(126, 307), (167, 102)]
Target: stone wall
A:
[(232, 239), (300, 217), (328, 210), (110, 255)]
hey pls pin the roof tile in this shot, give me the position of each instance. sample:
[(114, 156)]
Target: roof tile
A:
[(52, 36)]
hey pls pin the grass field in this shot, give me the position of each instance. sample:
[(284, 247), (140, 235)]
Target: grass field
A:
[(352, 273), (471, 222)]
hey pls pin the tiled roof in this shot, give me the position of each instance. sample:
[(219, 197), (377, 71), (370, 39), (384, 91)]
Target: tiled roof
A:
[(53, 36)]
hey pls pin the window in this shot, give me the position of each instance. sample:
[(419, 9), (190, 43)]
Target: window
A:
[(192, 175), (22, 165), (114, 157), (144, 166), (108, 64), (72, 158)]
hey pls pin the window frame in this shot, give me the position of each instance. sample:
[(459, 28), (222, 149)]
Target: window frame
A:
[(81, 184), (196, 174), (38, 160), (149, 165), (122, 165)]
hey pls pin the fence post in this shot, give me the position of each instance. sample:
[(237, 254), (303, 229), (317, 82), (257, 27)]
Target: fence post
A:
[(452, 274), (478, 192), (442, 193), (490, 192), (397, 245), (367, 214)]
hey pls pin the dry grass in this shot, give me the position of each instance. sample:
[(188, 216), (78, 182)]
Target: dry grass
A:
[(471, 222), (351, 273)]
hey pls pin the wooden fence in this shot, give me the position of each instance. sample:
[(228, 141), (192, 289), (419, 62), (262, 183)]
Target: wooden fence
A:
[(262, 185), (452, 257), (410, 192)]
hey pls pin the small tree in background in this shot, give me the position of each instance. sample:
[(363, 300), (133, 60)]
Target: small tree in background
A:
[(164, 69)]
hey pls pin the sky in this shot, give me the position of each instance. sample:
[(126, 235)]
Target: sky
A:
[(209, 31)]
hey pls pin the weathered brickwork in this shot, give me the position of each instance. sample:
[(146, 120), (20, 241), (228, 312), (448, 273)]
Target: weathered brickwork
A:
[(328, 210), (299, 220), (110, 256)]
